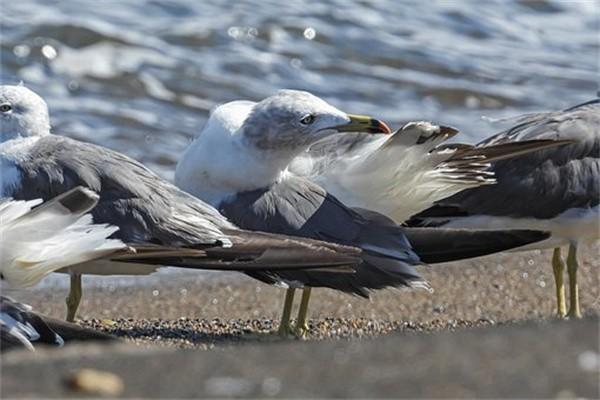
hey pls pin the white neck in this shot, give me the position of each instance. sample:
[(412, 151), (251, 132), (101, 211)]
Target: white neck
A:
[(220, 163), (32, 124), (13, 152), (22, 134)]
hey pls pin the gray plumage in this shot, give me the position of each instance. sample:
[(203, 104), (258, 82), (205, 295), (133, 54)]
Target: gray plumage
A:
[(152, 214), (248, 182), (554, 189), (143, 206), (295, 206), (149, 210), (542, 184)]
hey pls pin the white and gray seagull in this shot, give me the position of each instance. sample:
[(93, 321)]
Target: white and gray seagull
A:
[(555, 190), (240, 163), (147, 210), (37, 241), (405, 172), (240, 167)]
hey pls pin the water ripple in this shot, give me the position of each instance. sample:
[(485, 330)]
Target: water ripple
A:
[(141, 76)]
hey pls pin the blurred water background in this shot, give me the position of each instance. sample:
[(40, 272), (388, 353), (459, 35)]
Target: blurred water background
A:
[(140, 76)]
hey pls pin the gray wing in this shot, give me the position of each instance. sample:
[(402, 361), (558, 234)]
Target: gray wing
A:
[(542, 184), (143, 206), (296, 206), (578, 123), (149, 210)]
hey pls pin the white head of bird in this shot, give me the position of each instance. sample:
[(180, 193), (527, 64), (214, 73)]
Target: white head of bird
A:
[(247, 145), (292, 120), (23, 113)]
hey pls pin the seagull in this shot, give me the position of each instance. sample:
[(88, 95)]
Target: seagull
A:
[(240, 164), (37, 239), (19, 326), (148, 211), (401, 174), (555, 190)]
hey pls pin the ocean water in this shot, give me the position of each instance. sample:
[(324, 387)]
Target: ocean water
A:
[(141, 76)]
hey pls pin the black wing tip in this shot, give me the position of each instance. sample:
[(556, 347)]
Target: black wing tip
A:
[(78, 200), (428, 131), (438, 244), (586, 103), (529, 236)]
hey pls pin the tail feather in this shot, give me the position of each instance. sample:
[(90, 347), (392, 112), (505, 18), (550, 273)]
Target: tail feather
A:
[(38, 241), (28, 223), (407, 172), (468, 154), (252, 251), (57, 234), (421, 133), (372, 274), (20, 326)]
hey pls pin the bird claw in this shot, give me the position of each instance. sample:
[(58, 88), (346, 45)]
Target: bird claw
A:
[(302, 332), (285, 332)]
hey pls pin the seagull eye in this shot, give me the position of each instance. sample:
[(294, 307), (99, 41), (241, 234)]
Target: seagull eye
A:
[(5, 107), (307, 119), (1, 276)]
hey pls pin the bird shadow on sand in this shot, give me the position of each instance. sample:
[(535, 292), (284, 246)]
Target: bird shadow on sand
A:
[(196, 333)]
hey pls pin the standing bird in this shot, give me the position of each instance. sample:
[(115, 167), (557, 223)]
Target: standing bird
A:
[(148, 211), (555, 190), (240, 164)]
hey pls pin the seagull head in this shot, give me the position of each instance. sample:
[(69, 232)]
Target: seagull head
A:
[(292, 120), (23, 113)]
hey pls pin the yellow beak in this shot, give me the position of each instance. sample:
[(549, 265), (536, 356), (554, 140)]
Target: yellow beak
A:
[(364, 123)]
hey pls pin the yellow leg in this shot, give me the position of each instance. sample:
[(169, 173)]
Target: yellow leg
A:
[(284, 326), (572, 266), (74, 296), (558, 266), (302, 328)]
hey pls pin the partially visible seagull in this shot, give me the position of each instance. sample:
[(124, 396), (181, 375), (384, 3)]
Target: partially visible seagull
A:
[(19, 326), (403, 173), (147, 210), (240, 164), (37, 241), (555, 190)]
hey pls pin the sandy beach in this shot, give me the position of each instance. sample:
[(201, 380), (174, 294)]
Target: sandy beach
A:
[(494, 289), (487, 328), (555, 359), (142, 78)]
